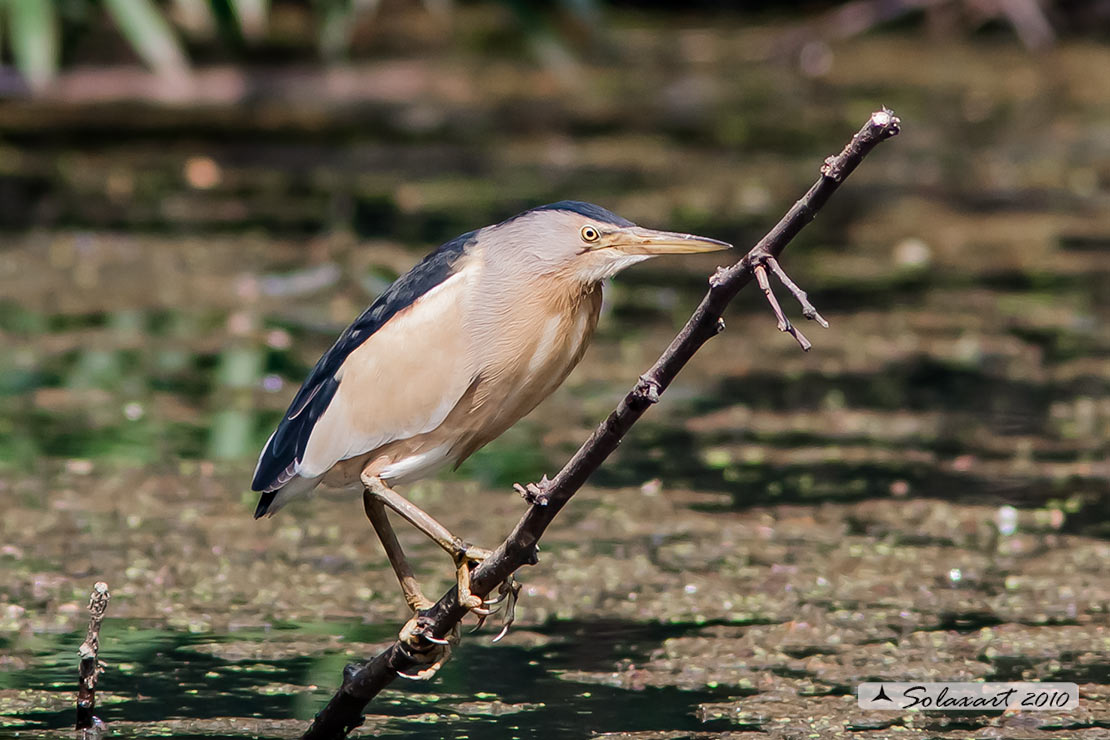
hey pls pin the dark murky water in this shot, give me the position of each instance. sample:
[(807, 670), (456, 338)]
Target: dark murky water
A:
[(924, 495), (177, 676), (558, 682)]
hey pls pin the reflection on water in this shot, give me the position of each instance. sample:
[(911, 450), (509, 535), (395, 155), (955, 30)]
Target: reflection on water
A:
[(796, 517)]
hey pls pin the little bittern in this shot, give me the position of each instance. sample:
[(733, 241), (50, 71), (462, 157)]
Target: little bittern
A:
[(449, 357)]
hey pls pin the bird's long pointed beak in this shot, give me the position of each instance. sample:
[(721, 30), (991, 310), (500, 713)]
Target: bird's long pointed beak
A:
[(638, 240)]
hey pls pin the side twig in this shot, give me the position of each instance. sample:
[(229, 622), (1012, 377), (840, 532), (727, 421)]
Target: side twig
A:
[(362, 682), (784, 323), (90, 667)]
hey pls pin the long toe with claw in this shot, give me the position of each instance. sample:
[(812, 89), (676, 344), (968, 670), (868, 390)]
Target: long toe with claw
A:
[(434, 661), (507, 593), (466, 557), (426, 650)]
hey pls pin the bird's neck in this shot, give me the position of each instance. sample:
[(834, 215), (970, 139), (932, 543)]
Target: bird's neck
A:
[(514, 318)]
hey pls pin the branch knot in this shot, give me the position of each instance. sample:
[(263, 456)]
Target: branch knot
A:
[(647, 390), (535, 493), (832, 168)]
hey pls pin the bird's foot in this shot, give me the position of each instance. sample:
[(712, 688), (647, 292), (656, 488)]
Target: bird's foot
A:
[(466, 557), (508, 592), (431, 661), (767, 262), (425, 649)]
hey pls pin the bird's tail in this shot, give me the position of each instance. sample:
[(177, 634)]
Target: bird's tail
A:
[(270, 502)]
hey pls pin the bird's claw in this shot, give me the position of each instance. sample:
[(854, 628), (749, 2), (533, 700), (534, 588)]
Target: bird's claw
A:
[(507, 592), (496, 600), (767, 262), (511, 591), (477, 625), (481, 612), (424, 648), (426, 674)]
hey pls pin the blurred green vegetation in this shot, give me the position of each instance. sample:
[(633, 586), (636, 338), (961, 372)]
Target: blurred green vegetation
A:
[(44, 34), (169, 36)]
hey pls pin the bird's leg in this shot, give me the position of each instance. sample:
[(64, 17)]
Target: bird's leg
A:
[(462, 553), (440, 650), (375, 512)]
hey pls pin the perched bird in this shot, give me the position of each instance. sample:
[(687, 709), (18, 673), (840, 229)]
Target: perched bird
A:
[(449, 357)]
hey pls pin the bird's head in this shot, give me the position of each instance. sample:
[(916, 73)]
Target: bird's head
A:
[(586, 241)]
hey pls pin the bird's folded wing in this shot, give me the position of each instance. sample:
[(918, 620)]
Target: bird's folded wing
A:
[(384, 379), (400, 383)]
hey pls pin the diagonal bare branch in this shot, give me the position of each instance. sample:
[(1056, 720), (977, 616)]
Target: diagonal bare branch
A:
[(361, 683)]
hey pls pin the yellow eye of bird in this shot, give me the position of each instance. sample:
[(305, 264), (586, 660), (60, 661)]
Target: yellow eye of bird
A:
[(590, 234)]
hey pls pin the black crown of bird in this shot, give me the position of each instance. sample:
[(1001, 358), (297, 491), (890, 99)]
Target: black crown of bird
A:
[(451, 355)]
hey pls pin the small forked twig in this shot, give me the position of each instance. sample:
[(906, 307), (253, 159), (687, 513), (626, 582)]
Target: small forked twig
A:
[(808, 309), (784, 323)]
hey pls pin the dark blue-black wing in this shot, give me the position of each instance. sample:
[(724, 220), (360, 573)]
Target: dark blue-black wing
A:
[(286, 447)]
